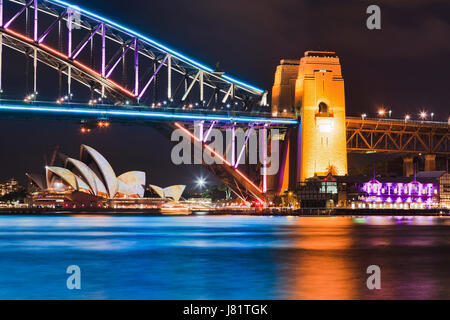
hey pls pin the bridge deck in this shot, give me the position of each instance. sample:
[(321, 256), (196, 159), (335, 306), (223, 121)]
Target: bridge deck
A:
[(129, 113), (397, 136)]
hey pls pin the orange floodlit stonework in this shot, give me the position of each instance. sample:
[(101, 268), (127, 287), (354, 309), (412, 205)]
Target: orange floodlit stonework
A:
[(312, 89)]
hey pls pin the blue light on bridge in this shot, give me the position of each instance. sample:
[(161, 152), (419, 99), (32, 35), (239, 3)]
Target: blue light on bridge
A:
[(156, 43), (144, 114)]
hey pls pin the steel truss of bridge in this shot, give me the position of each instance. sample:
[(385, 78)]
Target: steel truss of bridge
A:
[(108, 71), (113, 62), (397, 136)]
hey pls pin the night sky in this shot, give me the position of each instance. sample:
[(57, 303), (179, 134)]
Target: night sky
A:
[(405, 67)]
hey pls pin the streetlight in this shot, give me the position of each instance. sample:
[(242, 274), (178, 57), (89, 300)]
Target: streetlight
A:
[(201, 182), (364, 116), (407, 117), (390, 113), (423, 115), (432, 115), (381, 112)]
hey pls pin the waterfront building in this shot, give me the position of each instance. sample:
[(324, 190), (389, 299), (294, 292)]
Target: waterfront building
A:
[(399, 194), (92, 182), (426, 190), (10, 186), (318, 192), (442, 180)]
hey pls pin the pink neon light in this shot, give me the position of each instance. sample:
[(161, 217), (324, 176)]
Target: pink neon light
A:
[(63, 56), (219, 156)]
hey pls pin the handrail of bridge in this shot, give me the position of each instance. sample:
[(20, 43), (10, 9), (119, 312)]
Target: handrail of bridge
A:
[(399, 121)]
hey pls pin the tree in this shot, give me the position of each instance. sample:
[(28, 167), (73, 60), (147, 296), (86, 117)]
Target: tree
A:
[(278, 201), (332, 170), (14, 196), (216, 193)]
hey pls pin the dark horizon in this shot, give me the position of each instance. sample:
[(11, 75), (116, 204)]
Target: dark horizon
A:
[(402, 67)]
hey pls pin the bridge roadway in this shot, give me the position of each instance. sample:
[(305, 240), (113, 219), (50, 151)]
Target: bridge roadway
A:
[(369, 135), (130, 113), (397, 136)]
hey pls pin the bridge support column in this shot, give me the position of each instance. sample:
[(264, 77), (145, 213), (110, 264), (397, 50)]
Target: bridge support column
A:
[(312, 88), (408, 166), (430, 162)]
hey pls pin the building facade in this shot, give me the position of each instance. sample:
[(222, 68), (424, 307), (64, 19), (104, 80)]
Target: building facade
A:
[(427, 190), (10, 186)]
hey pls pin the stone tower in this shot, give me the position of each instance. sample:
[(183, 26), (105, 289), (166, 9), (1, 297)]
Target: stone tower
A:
[(312, 89)]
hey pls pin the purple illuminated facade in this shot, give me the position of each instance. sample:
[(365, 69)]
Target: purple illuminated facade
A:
[(413, 194)]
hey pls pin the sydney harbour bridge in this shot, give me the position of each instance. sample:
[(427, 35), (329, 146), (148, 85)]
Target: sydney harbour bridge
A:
[(102, 70)]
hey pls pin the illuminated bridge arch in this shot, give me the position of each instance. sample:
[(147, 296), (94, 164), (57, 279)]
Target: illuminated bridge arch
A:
[(127, 75), (117, 64)]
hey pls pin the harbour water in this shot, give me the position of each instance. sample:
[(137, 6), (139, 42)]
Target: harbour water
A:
[(224, 257)]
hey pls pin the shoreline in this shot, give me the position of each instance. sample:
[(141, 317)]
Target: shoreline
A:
[(221, 212)]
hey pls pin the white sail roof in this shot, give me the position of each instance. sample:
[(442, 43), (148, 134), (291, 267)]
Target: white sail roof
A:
[(94, 182), (103, 166), (135, 180), (93, 174), (81, 185), (159, 191), (64, 174), (125, 190), (71, 179), (173, 192)]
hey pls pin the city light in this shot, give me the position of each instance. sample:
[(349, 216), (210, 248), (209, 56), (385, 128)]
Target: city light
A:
[(364, 116), (85, 130), (382, 112), (103, 124), (423, 115), (407, 117), (201, 182), (30, 97), (62, 99)]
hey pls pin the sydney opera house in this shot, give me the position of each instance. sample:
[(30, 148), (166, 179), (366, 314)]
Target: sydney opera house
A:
[(91, 181)]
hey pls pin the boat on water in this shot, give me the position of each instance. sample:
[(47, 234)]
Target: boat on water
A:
[(175, 208)]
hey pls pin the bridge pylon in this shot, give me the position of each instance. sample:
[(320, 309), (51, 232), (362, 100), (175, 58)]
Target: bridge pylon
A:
[(312, 89)]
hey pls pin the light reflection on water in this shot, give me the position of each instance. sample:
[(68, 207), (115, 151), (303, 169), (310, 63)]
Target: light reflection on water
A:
[(224, 257)]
